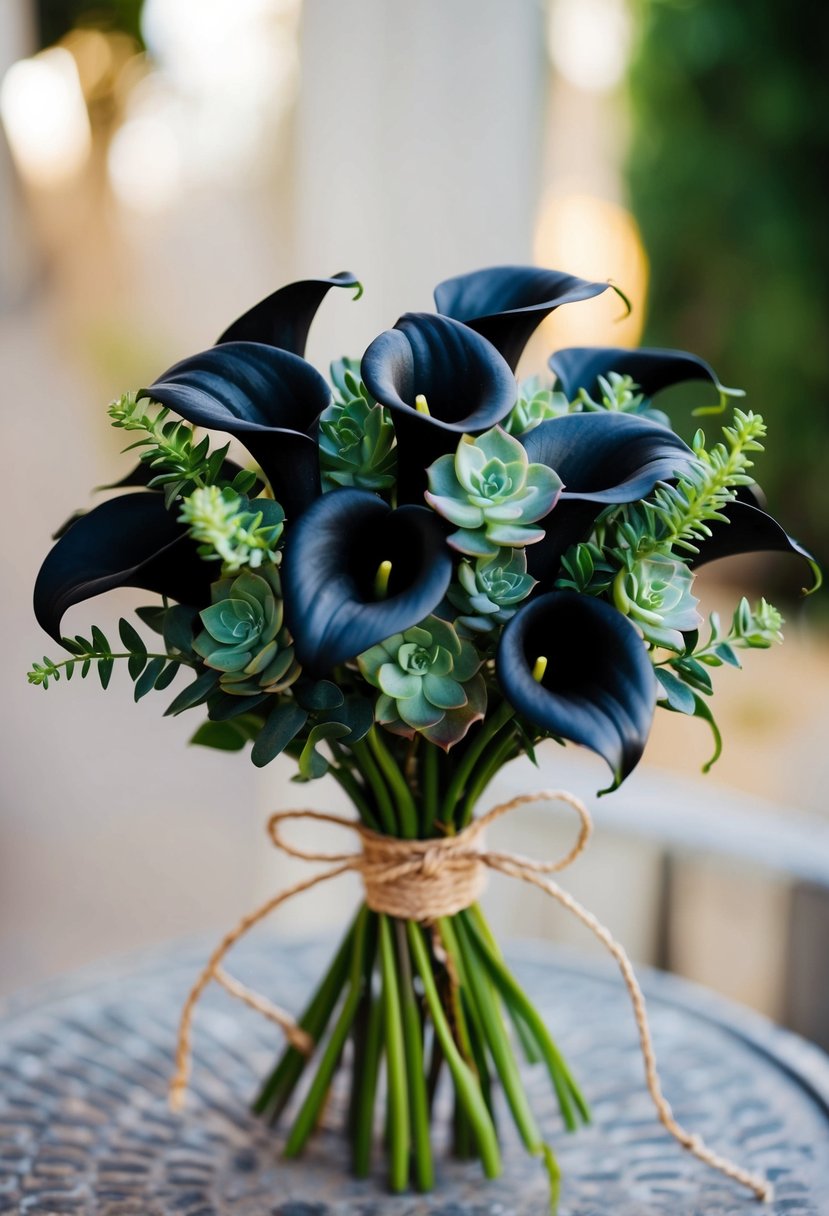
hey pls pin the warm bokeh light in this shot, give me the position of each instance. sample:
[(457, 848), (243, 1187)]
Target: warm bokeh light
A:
[(588, 42), (144, 164), (45, 118), (595, 239)]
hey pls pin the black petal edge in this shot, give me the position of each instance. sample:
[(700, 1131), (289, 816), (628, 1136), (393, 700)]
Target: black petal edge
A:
[(130, 541), (507, 303), (599, 689), (284, 318), (751, 530), (652, 368)]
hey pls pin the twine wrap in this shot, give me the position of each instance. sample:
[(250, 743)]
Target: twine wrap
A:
[(423, 880)]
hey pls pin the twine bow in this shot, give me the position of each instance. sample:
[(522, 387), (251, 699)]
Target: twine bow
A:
[(422, 880)]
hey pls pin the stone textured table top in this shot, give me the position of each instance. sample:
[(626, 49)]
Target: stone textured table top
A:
[(85, 1128)]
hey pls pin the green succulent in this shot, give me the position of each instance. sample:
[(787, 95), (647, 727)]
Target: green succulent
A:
[(487, 592), (243, 635), (534, 406), (656, 593), (232, 529), (428, 680), (356, 443), (491, 493), (620, 394)]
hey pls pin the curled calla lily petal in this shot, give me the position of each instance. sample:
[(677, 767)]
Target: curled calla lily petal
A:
[(266, 398), (598, 688), (601, 458), (446, 369), (651, 368), (751, 530), (330, 567), (283, 318), (130, 541), (507, 303)]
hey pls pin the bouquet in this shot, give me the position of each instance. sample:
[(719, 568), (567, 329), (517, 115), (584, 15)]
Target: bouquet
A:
[(424, 569)]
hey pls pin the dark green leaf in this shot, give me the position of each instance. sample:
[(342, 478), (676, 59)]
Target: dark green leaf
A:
[(678, 695), (193, 694), (85, 668), (223, 707), (153, 616), (703, 710), (313, 764), (225, 736), (177, 629), (99, 641), (131, 638), (319, 694), (146, 681), (136, 664), (104, 671), (167, 676), (283, 724), (694, 673), (356, 714)]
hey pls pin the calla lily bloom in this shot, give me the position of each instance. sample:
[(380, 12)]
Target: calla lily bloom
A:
[(440, 380), (751, 530), (130, 541), (267, 398), (652, 368), (602, 458), (334, 608), (283, 318), (597, 687), (507, 303)]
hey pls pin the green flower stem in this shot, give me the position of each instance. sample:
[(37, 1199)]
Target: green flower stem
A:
[(407, 811), (277, 1089), (397, 1096), (430, 788), (466, 767), (466, 1086), (365, 1082), (529, 1046), (413, 1043), (519, 1005), (348, 782), (470, 1032), (309, 1112), (377, 785), (481, 993), (492, 764)]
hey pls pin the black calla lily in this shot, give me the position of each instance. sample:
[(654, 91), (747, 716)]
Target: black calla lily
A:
[(651, 368), (598, 689), (269, 399), (507, 303), (466, 385), (602, 458), (332, 557), (283, 318), (751, 530), (129, 541)]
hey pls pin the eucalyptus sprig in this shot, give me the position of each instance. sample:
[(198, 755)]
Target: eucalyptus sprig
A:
[(147, 670), (169, 446)]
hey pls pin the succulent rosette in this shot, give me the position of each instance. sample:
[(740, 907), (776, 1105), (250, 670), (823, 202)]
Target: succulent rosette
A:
[(426, 569)]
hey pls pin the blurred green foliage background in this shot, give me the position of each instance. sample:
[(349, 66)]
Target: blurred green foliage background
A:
[(728, 170)]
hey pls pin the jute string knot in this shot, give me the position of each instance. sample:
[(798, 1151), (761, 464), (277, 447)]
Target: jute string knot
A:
[(423, 880)]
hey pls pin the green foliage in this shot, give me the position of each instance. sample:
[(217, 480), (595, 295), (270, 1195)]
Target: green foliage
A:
[(491, 493), (147, 671), (619, 394), (534, 406), (488, 591), (244, 638), (168, 446), (231, 529), (675, 516), (356, 443), (726, 173)]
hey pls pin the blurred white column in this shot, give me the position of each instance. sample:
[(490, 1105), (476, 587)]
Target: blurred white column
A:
[(418, 148), (17, 39)]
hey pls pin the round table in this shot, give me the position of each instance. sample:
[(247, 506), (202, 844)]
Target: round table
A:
[(85, 1127)]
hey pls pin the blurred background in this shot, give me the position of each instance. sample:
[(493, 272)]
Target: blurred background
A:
[(165, 164)]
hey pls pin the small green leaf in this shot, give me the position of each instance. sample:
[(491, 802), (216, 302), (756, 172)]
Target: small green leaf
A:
[(223, 707), (193, 694), (131, 638), (283, 723), (99, 641), (146, 681), (167, 676), (177, 629), (679, 696), (105, 666), (313, 764), (703, 710), (136, 664), (153, 616), (85, 668), (224, 736), (320, 694)]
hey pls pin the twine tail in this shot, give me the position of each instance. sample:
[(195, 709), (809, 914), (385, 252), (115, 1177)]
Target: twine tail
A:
[(761, 1187), (213, 971)]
